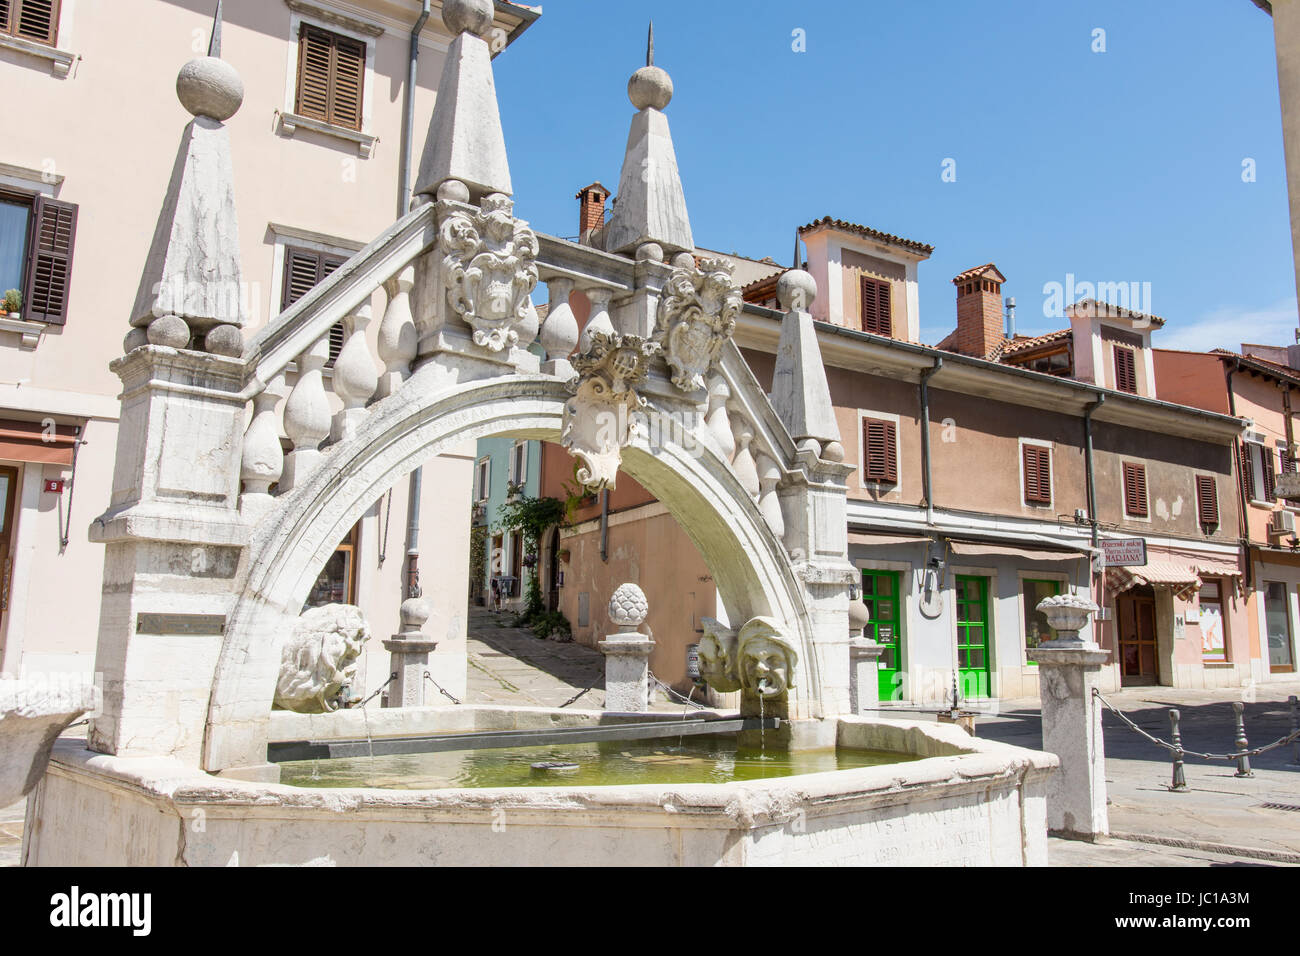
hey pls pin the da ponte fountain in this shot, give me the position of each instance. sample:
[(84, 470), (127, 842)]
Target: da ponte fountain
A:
[(192, 650)]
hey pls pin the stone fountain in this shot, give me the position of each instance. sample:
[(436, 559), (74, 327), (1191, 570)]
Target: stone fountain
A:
[(193, 650)]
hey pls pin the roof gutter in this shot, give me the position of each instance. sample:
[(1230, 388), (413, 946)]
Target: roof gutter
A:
[(925, 439), (1087, 459), (1238, 456)]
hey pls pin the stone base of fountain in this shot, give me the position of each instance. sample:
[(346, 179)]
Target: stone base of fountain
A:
[(965, 801)]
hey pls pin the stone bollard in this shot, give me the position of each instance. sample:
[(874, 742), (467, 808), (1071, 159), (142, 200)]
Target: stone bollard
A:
[(627, 653), (1068, 673), (864, 660), (864, 676), (409, 656)]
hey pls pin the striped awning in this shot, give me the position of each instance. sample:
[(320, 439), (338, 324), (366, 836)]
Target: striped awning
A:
[(1182, 579)]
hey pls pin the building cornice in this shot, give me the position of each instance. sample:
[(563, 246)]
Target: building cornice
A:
[(759, 328)]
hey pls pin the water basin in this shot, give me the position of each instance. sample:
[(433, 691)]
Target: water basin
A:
[(701, 759)]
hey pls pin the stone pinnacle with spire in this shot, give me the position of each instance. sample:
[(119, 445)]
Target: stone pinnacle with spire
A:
[(651, 204), (191, 284), (801, 395), (465, 145)]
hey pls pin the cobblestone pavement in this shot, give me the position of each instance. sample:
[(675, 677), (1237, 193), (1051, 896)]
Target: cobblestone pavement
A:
[(1253, 819), (510, 665)]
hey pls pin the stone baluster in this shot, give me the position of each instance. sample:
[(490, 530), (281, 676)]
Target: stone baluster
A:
[(598, 320), (355, 377), (306, 415), (716, 420), (769, 473), (397, 335), (743, 464), (560, 330), (263, 458)]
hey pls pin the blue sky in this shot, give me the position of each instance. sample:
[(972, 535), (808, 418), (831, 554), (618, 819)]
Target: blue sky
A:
[(1115, 166)]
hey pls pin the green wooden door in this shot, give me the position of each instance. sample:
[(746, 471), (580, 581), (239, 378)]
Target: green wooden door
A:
[(973, 635), (880, 595)]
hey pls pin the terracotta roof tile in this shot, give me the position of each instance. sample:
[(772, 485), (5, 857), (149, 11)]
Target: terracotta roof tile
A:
[(868, 233), (979, 270), (1022, 343)]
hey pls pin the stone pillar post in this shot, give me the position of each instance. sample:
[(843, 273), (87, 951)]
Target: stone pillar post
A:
[(864, 660), (627, 653), (173, 540), (409, 650), (864, 675), (1068, 671)]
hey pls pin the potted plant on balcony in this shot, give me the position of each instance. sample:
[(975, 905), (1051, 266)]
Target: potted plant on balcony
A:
[(13, 303)]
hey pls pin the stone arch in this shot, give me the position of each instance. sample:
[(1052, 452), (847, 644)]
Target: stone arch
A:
[(751, 569)]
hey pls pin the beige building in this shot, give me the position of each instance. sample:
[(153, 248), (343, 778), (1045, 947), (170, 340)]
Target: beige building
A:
[(92, 131)]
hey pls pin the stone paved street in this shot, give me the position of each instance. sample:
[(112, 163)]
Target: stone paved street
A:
[(510, 665)]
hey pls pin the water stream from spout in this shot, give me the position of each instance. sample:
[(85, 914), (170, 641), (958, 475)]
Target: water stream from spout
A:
[(762, 725)]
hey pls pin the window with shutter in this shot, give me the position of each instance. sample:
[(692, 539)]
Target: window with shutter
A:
[(1135, 490), (876, 307), (304, 269), (31, 19), (879, 451), (1037, 463), (49, 261), (331, 77), (1125, 370), (1207, 502), (1268, 472), (1248, 471)]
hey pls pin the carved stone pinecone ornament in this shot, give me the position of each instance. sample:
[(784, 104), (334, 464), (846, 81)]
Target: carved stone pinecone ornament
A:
[(628, 606)]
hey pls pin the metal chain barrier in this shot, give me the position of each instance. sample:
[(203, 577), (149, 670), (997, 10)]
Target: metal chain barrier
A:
[(577, 695), (442, 690), (1179, 749), (392, 677), (673, 693)]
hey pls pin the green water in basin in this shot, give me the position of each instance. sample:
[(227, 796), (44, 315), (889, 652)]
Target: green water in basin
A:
[(610, 763)]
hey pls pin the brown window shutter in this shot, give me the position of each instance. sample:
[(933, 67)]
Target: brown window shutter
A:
[(1037, 463), (314, 50), (331, 77), (301, 273), (1125, 370), (49, 263), (31, 19), (1270, 472), (879, 441), (1207, 501), (1135, 490), (349, 72), (876, 315), (1247, 472)]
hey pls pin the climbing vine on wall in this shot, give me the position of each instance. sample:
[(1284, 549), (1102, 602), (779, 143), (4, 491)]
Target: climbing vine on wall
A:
[(531, 517)]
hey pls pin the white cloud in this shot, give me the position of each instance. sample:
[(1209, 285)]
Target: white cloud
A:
[(1228, 327)]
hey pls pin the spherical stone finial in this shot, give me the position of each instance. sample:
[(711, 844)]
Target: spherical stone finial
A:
[(210, 87), (832, 451), (224, 340), (859, 614), (414, 613), (169, 330), (453, 190), (467, 16), (650, 88), (649, 252), (628, 606), (683, 260), (795, 290)]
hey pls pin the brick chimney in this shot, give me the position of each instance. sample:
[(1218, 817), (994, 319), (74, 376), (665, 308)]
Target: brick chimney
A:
[(979, 311), (591, 209)]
